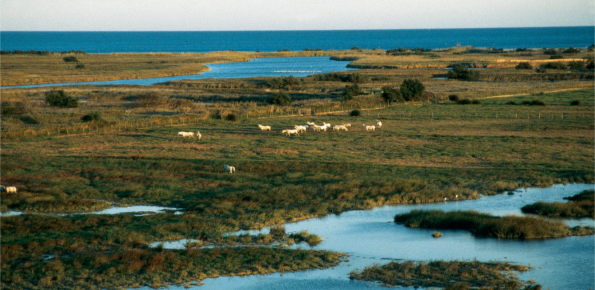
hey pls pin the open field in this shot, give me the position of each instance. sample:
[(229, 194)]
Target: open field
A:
[(426, 151)]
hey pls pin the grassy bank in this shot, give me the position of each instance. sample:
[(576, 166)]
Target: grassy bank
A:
[(485, 225), (156, 268), (579, 206), (446, 274)]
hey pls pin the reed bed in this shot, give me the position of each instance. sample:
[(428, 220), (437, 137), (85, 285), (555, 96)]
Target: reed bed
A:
[(446, 274), (579, 206), (507, 227)]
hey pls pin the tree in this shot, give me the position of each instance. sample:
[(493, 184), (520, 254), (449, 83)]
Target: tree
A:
[(391, 94), (281, 99), (524, 65), (460, 72), (351, 91), (412, 89), (60, 99)]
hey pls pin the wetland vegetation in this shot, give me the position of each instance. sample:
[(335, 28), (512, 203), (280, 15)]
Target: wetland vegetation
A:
[(578, 206), (486, 225), (428, 149), (447, 274)]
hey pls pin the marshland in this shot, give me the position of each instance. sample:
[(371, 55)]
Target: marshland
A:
[(118, 146)]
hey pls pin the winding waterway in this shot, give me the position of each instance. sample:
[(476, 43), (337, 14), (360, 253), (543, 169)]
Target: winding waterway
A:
[(371, 237), (259, 67)]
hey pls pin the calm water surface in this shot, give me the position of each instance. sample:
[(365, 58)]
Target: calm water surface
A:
[(260, 67), (372, 237)]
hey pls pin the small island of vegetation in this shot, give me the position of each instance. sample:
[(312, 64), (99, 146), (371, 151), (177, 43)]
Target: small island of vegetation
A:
[(579, 206), (485, 225), (447, 274)]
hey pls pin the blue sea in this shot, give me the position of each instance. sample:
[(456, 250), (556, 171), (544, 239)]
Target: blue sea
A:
[(268, 41)]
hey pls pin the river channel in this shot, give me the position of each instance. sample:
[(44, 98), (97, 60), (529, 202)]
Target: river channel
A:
[(371, 237)]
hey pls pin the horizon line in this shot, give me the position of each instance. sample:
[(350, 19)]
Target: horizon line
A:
[(301, 30)]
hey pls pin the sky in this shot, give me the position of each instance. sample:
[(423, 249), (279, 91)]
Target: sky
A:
[(225, 15)]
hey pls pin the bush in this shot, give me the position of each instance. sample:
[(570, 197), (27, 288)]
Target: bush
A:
[(464, 102), (80, 65), (70, 59), (412, 89), (555, 65), (556, 56), (391, 94), (511, 103), (351, 91), (29, 120), (231, 117), (575, 103), (60, 99), (524, 65), (533, 103), (550, 51), (13, 109), (95, 116), (572, 50), (355, 113), (460, 72), (453, 98), (283, 82), (476, 102), (281, 99), (590, 64), (540, 70), (576, 65)]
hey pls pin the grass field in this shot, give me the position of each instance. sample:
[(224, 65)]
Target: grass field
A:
[(425, 151)]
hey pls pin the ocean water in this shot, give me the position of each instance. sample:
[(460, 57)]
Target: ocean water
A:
[(267, 41)]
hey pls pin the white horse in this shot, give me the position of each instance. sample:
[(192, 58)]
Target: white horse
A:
[(378, 124), (230, 169), (288, 132), (264, 128), (198, 135), (370, 128), (186, 134)]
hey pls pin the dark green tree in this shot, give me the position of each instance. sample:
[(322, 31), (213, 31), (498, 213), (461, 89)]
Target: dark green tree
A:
[(60, 99), (412, 89), (281, 99), (351, 91), (391, 94), (460, 72)]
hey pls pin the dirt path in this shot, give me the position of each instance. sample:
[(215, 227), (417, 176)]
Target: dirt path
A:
[(518, 95)]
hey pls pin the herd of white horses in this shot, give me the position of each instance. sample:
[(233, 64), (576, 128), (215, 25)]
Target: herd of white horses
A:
[(295, 131)]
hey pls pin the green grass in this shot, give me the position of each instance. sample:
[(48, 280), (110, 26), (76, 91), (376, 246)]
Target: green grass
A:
[(579, 206), (445, 274), (485, 225)]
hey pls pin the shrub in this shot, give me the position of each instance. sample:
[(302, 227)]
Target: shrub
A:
[(511, 103), (283, 82), (572, 50), (460, 72), (95, 116), (475, 102), (533, 103), (590, 64), (13, 109), (550, 51), (412, 89), (575, 103), (464, 102), (355, 113), (576, 65), (555, 65), (391, 94), (79, 66), (540, 69), (351, 91), (230, 117), (60, 99), (281, 99), (453, 98), (524, 65), (29, 120), (70, 59), (556, 56)]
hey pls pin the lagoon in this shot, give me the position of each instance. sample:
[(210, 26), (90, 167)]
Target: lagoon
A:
[(259, 67), (371, 236)]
